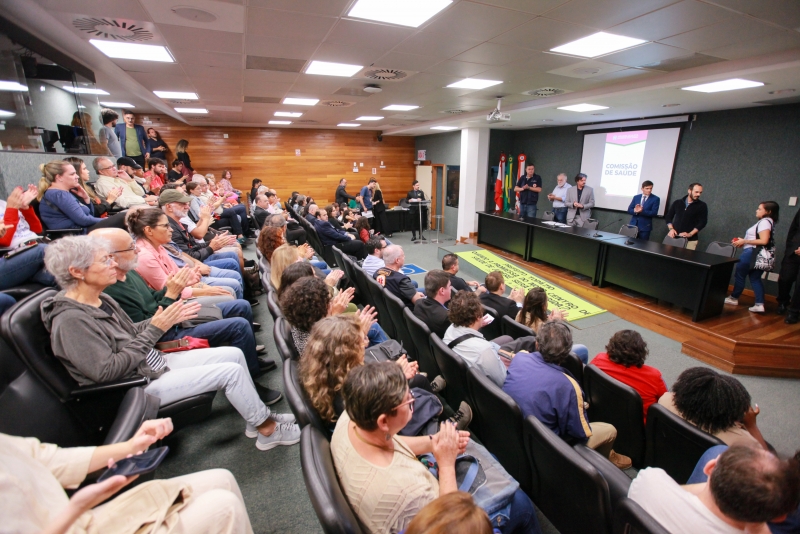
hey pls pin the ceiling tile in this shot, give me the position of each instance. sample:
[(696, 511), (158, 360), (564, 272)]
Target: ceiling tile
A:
[(287, 26), (434, 45), (543, 34), (230, 17), (672, 20), (729, 31), (208, 40), (399, 60), (536, 63), (622, 74), (683, 62), (133, 65), (262, 45), (269, 76), (783, 12), (216, 73), (476, 20), (493, 54), (536, 7), (353, 55), (647, 54), (457, 68), (277, 64), (334, 8), (381, 37), (586, 69), (208, 59), (93, 8), (321, 85), (606, 13), (162, 82), (776, 42), (266, 89)]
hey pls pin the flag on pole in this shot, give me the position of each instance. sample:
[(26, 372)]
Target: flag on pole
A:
[(498, 184), (520, 174), (508, 184)]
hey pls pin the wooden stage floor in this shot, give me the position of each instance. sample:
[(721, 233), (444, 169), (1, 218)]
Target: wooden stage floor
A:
[(738, 341)]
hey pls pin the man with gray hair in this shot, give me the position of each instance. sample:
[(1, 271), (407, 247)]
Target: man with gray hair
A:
[(311, 216), (110, 177), (557, 198), (393, 280), (542, 387)]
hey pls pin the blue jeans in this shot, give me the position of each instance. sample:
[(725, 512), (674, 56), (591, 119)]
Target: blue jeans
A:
[(376, 335), (225, 277), (697, 475), (582, 351), (241, 211), (25, 267), (643, 234), (560, 215), (522, 518), (235, 329), (743, 271), (528, 210), (321, 265), (6, 301), (224, 256)]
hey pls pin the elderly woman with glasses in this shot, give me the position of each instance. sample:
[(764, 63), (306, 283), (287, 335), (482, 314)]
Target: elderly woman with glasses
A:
[(97, 342)]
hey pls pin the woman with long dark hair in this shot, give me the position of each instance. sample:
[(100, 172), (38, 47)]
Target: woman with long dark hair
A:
[(534, 313), (379, 211)]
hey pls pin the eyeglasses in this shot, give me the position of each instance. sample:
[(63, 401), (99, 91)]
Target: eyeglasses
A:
[(165, 225), (108, 260), (129, 249), (106, 168), (410, 403)]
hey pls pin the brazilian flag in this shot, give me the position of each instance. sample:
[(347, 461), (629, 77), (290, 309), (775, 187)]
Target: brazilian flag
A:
[(508, 186)]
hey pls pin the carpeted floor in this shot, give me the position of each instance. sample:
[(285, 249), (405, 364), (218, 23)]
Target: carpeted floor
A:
[(272, 482)]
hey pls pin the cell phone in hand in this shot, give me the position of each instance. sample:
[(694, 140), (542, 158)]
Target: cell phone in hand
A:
[(487, 319), (147, 462)]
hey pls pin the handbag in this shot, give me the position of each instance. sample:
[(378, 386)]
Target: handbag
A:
[(388, 351), (206, 314), (764, 260), (182, 344), (425, 418)]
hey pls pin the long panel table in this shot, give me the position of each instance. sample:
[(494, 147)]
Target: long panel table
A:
[(691, 279)]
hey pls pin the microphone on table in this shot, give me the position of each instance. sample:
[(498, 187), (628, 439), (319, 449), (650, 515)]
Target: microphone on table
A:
[(597, 231)]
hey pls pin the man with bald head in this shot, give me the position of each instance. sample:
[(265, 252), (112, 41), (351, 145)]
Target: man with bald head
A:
[(393, 280), (141, 302), (109, 177)]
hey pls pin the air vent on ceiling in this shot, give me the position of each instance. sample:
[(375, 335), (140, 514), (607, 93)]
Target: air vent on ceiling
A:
[(280, 64), (108, 28), (336, 103), (198, 117), (454, 111), (182, 101), (544, 92), (385, 75), (352, 91), (683, 62), (194, 14), (307, 121), (262, 100)]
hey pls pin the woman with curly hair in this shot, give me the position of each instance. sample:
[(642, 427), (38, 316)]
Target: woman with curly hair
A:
[(269, 239), (624, 360), (715, 403), (534, 313)]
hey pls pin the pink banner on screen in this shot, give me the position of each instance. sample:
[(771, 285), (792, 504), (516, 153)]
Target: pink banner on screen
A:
[(626, 138)]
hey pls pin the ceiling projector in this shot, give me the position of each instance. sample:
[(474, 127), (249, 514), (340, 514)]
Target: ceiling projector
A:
[(496, 115)]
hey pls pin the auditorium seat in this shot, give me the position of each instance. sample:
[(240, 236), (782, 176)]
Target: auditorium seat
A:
[(328, 257), (395, 307), (570, 492), (630, 518), (629, 230), (377, 300), (272, 304), (493, 330), (497, 421), (574, 365), (618, 404), (673, 444), (282, 332), (304, 412), (454, 371), (721, 249), (512, 328), (548, 216), (421, 335), (360, 281), (679, 242), (618, 482), (327, 498), (23, 291)]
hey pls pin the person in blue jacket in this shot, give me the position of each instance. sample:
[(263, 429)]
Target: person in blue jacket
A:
[(134, 148), (644, 207)]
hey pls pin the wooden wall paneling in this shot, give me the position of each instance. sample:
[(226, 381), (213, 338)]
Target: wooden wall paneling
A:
[(269, 154)]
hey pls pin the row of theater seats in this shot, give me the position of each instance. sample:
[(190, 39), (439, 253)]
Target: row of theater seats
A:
[(576, 488)]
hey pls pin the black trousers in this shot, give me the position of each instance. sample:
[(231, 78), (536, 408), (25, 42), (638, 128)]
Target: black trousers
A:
[(138, 159), (381, 222), (790, 268), (295, 234), (354, 247)]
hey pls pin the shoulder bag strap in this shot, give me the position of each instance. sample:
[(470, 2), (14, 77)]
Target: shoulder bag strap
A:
[(459, 339)]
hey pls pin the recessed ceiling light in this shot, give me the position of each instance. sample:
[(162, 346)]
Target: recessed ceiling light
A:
[(348, 124), (333, 69), (12, 86), (117, 105), (84, 90), (583, 107), (399, 107), (724, 85), (176, 94), (120, 50), (4, 113), (474, 83), (369, 118), (547, 120), (446, 128), (280, 122), (288, 114), (403, 12), (191, 110), (597, 44), (301, 101)]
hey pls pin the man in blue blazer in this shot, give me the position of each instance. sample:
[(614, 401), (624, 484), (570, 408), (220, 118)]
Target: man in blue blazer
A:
[(134, 147), (643, 208)]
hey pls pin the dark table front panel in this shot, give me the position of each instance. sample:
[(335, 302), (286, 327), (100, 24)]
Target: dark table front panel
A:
[(566, 250), (503, 233), (398, 221)]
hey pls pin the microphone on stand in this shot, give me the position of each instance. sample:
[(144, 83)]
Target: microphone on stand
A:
[(597, 232)]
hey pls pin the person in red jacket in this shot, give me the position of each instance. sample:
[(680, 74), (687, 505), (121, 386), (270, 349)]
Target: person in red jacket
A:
[(624, 360)]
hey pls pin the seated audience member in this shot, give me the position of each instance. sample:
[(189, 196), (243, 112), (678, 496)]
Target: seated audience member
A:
[(450, 266), (176, 175), (60, 209), (746, 487), (453, 512), (717, 404), (140, 302), (269, 239), (393, 280), (334, 217), (226, 218), (362, 228), (21, 226), (135, 171), (293, 232), (310, 213), (330, 236), (35, 476), (97, 342), (463, 338), (273, 202), (200, 230), (275, 234), (374, 260), (109, 178), (225, 182), (260, 214), (378, 470), (150, 228), (534, 314), (543, 388), (624, 360), (432, 310), (285, 255), (256, 183), (86, 193), (493, 297)]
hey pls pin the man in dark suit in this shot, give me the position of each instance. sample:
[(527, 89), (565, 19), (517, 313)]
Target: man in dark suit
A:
[(643, 208), (493, 298), (132, 138), (343, 196), (432, 310), (260, 214), (790, 267), (450, 266), (328, 235)]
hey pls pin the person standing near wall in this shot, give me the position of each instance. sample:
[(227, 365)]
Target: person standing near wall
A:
[(528, 187), (132, 138), (688, 215), (557, 197), (790, 267), (644, 207), (107, 135), (579, 201)]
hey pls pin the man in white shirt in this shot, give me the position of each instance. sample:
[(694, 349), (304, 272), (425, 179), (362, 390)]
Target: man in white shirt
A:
[(109, 177), (746, 488), (557, 198), (374, 259), (274, 203)]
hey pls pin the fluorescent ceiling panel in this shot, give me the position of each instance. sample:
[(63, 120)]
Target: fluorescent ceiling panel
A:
[(348, 124), (580, 108), (474, 83), (117, 105), (84, 90), (399, 107), (191, 110), (411, 13), (176, 94), (280, 122), (368, 118), (445, 128), (288, 114), (597, 44), (325, 68), (12, 86), (301, 101), (724, 85), (4, 113), (120, 50)]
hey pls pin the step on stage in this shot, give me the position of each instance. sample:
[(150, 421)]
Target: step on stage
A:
[(737, 341)]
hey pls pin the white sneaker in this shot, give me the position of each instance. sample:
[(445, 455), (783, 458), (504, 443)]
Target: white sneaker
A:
[(731, 300), (252, 432), (758, 308), (285, 434)]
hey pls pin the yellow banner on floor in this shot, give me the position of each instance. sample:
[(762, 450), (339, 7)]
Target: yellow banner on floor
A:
[(518, 277)]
